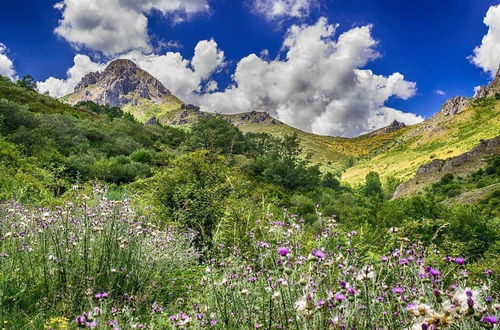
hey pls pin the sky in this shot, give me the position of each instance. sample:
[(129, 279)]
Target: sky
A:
[(332, 67)]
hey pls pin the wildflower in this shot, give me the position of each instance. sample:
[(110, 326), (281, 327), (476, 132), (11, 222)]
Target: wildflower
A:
[(283, 251), (57, 323), (403, 261), (489, 319), (434, 272), (459, 261), (420, 310), (339, 297), (318, 254), (101, 295), (213, 322), (156, 308), (384, 259), (466, 298), (488, 272), (366, 274), (398, 290)]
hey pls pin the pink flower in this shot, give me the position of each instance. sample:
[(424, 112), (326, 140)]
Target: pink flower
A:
[(283, 251)]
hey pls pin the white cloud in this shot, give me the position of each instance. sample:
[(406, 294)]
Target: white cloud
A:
[(60, 87), (320, 86), (440, 92), (487, 55), (282, 9), (116, 26), (6, 65), (183, 77)]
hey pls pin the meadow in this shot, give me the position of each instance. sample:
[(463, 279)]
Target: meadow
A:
[(108, 223)]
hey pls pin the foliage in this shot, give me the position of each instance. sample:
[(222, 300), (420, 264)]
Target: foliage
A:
[(27, 82), (192, 191), (373, 185), (216, 134)]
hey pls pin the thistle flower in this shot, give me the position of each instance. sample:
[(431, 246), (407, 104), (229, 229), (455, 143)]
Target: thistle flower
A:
[(489, 319), (283, 251), (318, 254)]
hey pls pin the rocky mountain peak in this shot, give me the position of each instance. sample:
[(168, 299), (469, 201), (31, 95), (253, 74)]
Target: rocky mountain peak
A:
[(121, 65), (454, 105), (395, 125), (121, 83)]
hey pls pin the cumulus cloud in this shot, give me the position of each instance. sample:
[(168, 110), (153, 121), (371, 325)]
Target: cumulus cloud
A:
[(320, 86), (184, 77), (487, 55), (6, 65), (116, 26), (282, 9), (60, 87)]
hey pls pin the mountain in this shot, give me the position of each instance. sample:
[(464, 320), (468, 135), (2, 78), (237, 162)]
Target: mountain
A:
[(395, 150), (124, 84)]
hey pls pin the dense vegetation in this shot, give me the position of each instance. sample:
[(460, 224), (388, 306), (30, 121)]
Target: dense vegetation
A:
[(138, 219)]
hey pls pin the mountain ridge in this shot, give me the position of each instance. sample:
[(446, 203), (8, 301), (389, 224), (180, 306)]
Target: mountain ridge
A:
[(436, 137)]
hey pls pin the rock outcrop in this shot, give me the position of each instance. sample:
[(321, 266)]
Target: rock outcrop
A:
[(121, 83), (454, 105), (461, 164), (394, 126), (491, 89)]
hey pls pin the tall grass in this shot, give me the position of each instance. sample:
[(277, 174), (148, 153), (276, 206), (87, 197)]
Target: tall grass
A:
[(65, 261), (287, 283)]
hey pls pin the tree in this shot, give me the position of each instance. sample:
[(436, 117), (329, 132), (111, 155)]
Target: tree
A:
[(193, 191), (216, 134), (373, 186), (27, 82)]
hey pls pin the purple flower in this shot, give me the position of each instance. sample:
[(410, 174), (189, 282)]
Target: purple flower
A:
[(339, 297), (403, 261), (488, 272), (318, 254), (489, 319), (459, 261), (156, 308), (283, 251), (81, 320), (398, 290), (384, 259), (213, 322), (434, 272), (101, 295), (351, 291)]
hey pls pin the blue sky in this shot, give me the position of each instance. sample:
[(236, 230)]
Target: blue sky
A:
[(427, 41)]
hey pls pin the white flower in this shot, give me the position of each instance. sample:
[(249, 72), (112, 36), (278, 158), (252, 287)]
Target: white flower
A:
[(462, 295)]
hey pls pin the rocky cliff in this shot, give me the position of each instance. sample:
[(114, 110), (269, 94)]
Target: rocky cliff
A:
[(121, 83)]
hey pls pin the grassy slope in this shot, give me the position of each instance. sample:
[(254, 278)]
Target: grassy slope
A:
[(399, 153), (145, 109), (439, 137), (329, 152)]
